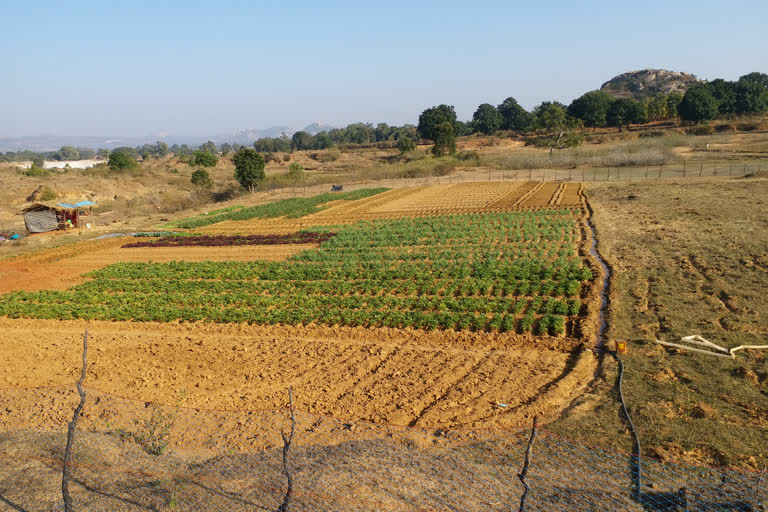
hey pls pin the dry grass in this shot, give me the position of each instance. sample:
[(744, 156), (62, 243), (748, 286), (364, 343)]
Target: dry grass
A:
[(688, 258)]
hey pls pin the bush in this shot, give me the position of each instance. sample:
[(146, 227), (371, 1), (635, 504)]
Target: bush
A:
[(468, 155), (295, 173), (121, 161), (205, 159), (201, 178), (405, 144), (36, 171)]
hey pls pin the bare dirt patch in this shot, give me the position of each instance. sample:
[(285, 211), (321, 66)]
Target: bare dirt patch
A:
[(63, 267), (403, 377)]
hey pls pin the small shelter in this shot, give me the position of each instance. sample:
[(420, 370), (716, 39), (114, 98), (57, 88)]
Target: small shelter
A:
[(44, 217)]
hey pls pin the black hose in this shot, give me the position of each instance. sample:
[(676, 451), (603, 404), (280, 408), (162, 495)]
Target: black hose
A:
[(636, 467)]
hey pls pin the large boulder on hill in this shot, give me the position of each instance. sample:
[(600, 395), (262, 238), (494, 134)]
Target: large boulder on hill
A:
[(648, 82)]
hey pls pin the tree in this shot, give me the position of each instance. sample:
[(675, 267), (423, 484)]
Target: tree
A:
[(550, 116), (68, 153), (301, 140), (487, 119), (205, 159), (103, 153), (249, 168), (460, 128), (756, 78), (514, 117), (657, 107), (750, 97), (209, 147), (38, 161), (225, 148), (120, 160), (295, 173), (445, 139), (591, 108), (383, 132), (725, 94), (698, 104), (673, 102), (201, 178), (432, 117), (161, 148), (625, 111), (405, 144)]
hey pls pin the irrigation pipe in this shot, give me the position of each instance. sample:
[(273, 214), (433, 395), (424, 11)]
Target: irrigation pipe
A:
[(698, 340), (638, 469)]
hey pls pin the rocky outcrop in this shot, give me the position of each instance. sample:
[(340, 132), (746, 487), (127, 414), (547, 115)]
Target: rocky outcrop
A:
[(648, 82)]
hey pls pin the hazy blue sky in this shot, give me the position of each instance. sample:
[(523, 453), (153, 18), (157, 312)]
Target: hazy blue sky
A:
[(202, 68)]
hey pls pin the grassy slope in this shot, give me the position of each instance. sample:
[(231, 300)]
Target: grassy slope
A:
[(689, 258)]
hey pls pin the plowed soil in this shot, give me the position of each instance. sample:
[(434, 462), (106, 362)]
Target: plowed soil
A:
[(63, 267), (403, 377)]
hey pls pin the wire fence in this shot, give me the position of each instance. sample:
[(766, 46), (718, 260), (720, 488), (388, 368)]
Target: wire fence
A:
[(134, 455), (682, 169)]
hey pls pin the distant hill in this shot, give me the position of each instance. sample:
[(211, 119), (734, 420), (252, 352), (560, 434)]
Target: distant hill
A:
[(315, 128), (648, 82)]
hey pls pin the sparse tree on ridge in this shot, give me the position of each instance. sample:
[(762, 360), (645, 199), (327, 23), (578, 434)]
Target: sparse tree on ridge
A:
[(120, 160), (205, 159), (487, 119), (755, 77), (405, 144), (432, 117), (249, 168), (514, 117), (625, 111), (591, 108), (445, 139), (699, 104)]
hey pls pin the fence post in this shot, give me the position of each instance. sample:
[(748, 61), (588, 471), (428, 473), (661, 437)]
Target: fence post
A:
[(71, 432), (287, 440), (701, 168), (715, 167), (660, 170), (683, 168), (527, 464)]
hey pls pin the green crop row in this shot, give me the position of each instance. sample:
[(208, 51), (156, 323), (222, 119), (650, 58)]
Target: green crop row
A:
[(291, 208)]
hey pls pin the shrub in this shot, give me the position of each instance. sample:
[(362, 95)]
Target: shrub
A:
[(295, 173), (205, 159), (120, 161), (468, 155), (329, 155), (405, 144), (201, 178), (48, 194), (36, 171)]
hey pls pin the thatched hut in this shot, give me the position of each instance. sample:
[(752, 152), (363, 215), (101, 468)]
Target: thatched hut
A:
[(42, 217)]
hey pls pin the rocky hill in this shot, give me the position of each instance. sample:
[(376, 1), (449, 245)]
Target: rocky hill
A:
[(648, 82)]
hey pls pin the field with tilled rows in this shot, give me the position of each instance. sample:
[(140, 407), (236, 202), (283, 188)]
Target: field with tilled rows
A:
[(426, 306)]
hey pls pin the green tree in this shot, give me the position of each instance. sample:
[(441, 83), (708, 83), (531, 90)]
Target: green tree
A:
[(405, 144), (550, 116), (673, 102), (445, 139), (38, 161), (751, 97), (725, 94), (301, 140), (249, 168), (698, 104), (487, 119), (205, 159), (657, 107), (161, 148), (201, 178), (120, 160), (514, 117), (295, 173), (432, 117), (103, 153), (67, 153), (383, 132), (225, 148), (591, 108), (755, 77), (209, 147), (625, 111)]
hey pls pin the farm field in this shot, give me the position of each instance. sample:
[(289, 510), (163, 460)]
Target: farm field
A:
[(428, 316)]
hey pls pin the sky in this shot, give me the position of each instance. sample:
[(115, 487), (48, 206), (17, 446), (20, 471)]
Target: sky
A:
[(138, 68)]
